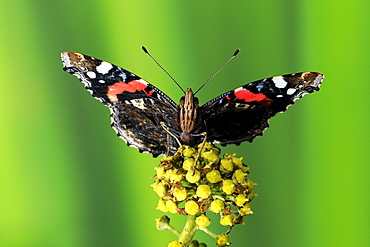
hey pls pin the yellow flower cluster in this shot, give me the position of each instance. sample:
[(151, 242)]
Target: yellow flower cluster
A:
[(215, 184)]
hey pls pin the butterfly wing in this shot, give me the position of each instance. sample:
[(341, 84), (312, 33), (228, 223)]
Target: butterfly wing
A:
[(242, 114), (137, 107)]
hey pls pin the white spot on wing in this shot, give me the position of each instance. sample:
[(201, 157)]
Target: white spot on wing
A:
[(279, 82), (318, 80), (291, 91), (138, 103), (104, 67), (113, 97), (101, 81), (143, 82), (91, 74), (238, 89)]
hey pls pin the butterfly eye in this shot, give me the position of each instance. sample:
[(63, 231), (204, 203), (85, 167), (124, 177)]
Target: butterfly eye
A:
[(196, 102), (182, 101)]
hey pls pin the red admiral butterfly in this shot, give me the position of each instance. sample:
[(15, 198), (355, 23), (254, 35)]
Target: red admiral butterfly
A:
[(150, 121)]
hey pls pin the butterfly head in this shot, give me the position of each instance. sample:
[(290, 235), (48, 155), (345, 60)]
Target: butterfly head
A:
[(189, 101)]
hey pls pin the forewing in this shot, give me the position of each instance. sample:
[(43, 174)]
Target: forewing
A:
[(137, 107), (242, 114)]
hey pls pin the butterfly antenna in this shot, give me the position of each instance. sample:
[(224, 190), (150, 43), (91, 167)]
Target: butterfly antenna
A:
[(165, 71), (218, 71)]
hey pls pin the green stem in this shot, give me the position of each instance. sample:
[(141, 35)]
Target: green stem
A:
[(188, 232), (213, 235), (173, 230)]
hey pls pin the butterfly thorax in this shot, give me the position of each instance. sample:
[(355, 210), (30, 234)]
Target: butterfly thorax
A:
[(188, 116)]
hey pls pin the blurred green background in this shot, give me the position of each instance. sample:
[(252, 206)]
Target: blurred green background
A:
[(67, 180)]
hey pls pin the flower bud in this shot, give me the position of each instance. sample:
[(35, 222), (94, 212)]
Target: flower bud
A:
[(174, 177), (160, 171), (217, 206), (228, 186), (188, 151), (227, 164), (193, 176), (162, 206), (168, 158), (239, 175), (180, 194), (246, 209), (171, 206), (159, 188), (213, 176), (223, 240), (161, 223), (251, 195), (237, 161), (207, 146), (188, 164), (202, 221), (210, 156), (240, 200), (203, 191), (191, 207), (227, 220), (250, 184), (174, 244)]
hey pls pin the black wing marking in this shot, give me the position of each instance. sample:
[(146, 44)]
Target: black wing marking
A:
[(138, 122)]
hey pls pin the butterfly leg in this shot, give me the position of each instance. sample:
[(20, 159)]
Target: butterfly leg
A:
[(200, 150), (170, 133)]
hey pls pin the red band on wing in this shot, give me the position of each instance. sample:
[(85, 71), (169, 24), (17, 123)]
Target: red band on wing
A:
[(248, 96), (131, 87)]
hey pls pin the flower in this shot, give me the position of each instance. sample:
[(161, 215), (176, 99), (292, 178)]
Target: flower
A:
[(239, 176), (202, 221), (188, 151), (191, 207), (214, 176), (240, 200), (228, 186), (203, 191), (171, 207), (159, 188), (227, 164), (217, 206), (227, 220), (210, 156), (174, 176), (250, 184), (246, 210), (161, 206), (160, 171), (180, 194), (237, 161), (223, 240), (174, 244), (188, 164), (193, 176)]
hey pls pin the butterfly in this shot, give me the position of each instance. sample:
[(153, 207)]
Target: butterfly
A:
[(147, 119)]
